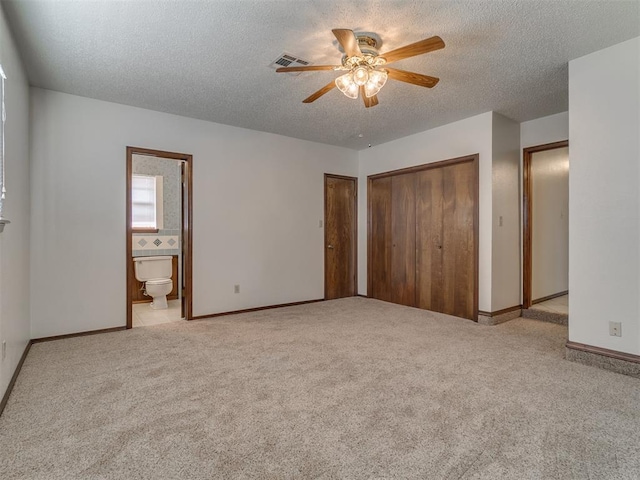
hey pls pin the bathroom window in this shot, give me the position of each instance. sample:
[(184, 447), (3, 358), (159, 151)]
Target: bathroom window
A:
[(146, 202)]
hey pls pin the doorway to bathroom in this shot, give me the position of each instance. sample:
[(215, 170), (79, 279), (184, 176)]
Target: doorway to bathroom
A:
[(159, 237), (546, 230)]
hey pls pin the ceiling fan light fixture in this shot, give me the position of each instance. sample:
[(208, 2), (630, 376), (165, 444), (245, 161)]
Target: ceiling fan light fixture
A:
[(377, 79), (347, 86), (366, 67), (361, 75)]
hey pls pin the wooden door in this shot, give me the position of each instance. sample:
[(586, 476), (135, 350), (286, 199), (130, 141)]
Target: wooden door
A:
[(340, 195), (380, 245), (447, 240), (429, 291), (403, 238)]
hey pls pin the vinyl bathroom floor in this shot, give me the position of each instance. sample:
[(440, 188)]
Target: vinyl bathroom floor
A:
[(145, 316)]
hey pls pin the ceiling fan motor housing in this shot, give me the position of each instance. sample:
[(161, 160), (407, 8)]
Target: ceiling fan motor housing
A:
[(369, 44)]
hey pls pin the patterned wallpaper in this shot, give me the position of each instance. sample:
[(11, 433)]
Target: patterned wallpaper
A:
[(167, 240)]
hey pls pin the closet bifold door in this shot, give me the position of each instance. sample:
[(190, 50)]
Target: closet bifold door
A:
[(458, 233), (403, 239), (446, 242), (429, 251), (380, 239)]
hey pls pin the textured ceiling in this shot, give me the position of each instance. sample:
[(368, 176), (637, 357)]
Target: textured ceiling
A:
[(210, 59)]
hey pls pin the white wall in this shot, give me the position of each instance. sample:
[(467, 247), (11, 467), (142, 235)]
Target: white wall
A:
[(14, 242), (550, 219), (466, 137), (604, 204), (540, 131), (505, 238), (550, 129), (258, 198)]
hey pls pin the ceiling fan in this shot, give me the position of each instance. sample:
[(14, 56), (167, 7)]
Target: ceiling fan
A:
[(367, 70)]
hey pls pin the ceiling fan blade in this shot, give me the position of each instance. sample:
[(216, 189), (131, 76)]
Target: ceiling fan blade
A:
[(423, 46), (348, 41), (307, 68), (365, 100), (412, 77), (368, 101), (327, 88)]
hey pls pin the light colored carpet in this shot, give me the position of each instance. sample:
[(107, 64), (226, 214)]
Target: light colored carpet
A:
[(352, 388)]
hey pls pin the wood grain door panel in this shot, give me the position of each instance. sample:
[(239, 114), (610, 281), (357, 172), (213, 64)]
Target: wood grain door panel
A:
[(379, 266), (403, 238), (429, 199), (340, 237), (458, 245)]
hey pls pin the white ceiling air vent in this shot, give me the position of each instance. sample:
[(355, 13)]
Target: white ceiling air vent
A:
[(288, 60)]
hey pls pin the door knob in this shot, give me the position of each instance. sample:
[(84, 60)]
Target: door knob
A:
[(330, 246)]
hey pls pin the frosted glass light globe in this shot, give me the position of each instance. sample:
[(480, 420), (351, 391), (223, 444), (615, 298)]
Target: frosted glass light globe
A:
[(361, 75), (377, 79), (347, 86)]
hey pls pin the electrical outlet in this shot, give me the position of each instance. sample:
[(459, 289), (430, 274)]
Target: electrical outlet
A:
[(615, 329), (4, 349), (236, 289), (320, 224)]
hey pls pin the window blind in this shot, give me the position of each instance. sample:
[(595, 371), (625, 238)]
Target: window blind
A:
[(143, 201)]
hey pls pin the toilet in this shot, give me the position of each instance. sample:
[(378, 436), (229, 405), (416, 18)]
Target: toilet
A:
[(155, 272)]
